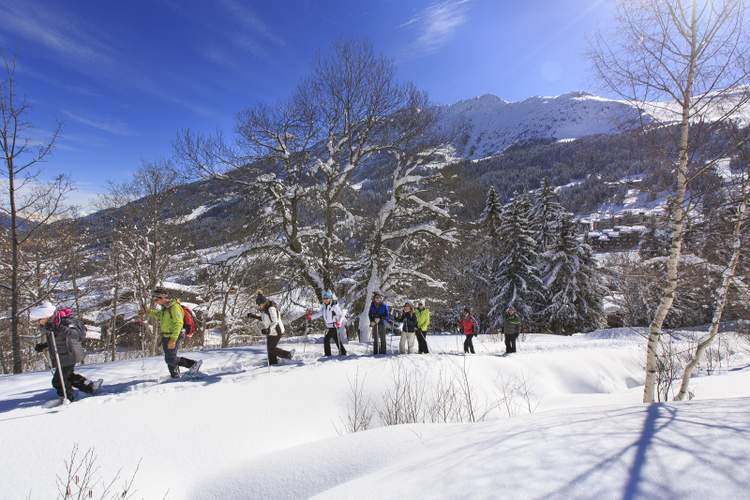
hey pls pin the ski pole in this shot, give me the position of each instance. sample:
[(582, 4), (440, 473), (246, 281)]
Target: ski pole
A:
[(51, 336)]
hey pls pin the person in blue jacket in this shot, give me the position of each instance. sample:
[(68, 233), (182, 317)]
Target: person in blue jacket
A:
[(380, 315)]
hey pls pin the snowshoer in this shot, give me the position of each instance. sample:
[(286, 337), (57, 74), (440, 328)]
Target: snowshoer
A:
[(423, 324), (333, 317), (468, 325), (169, 313), (63, 335), (273, 328), (408, 330), (511, 329), (380, 315)]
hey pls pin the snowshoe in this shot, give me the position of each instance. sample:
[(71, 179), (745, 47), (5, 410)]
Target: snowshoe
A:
[(193, 370), (54, 403), (291, 354), (96, 385)]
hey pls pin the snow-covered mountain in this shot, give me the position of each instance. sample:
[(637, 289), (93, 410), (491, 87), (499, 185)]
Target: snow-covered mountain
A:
[(490, 124)]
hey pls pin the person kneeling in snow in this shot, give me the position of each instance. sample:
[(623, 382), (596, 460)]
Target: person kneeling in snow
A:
[(171, 318), (333, 317), (408, 330), (63, 334), (273, 328)]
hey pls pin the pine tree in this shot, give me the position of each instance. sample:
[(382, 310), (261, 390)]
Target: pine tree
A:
[(516, 279), (573, 285), (489, 221), (545, 216)]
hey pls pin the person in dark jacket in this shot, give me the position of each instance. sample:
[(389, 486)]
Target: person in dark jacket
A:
[(511, 329), (469, 327), (63, 335), (380, 315), (408, 329), (273, 328)]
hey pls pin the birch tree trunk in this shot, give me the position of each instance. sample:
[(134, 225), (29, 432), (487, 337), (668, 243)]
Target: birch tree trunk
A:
[(722, 294)]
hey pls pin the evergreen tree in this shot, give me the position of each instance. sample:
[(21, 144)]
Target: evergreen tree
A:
[(516, 279), (490, 219), (572, 283), (545, 216)]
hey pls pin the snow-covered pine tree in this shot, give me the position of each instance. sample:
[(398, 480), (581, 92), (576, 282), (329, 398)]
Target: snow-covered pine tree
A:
[(545, 218), (574, 288), (490, 219), (516, 278)]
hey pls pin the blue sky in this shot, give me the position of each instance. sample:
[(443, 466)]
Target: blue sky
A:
[(123, 77)]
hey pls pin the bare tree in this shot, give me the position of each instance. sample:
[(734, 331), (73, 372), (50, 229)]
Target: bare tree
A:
[(31, 203), (303, 155), (225, 282), (144, 239), (409, 217), (678, 62)]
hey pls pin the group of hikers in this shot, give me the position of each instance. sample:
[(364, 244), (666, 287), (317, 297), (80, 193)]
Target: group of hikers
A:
[(63, 333)]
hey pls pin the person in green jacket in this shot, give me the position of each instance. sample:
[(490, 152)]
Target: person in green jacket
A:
[(423, 324), (170, 315)]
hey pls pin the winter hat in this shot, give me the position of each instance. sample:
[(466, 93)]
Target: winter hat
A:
[(43, 310), (328, 294), (377, 294), (260, 299)]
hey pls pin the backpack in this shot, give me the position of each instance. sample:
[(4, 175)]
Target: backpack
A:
[(190, 322)]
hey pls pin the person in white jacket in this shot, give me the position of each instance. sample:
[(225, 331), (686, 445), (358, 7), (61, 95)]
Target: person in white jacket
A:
[(273, 328), (333, 317)]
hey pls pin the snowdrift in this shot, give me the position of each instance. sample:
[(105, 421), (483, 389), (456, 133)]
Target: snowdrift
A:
[(667, 451)]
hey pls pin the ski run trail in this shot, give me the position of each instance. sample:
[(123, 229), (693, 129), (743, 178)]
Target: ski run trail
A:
[(561, 418)]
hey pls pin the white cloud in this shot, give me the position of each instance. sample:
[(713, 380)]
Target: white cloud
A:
[(115, 127), (249, 20), (55, 31), (437, 23)]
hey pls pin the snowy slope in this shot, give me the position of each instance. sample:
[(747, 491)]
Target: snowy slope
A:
[(494, 124), (693, 450), (228, 434)]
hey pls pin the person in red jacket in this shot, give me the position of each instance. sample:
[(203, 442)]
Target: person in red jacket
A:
[(469, 327)]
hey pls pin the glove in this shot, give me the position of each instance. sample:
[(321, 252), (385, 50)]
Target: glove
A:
[(338, 325), (377, 320), (40, 347), (172, 343), (265, 331)]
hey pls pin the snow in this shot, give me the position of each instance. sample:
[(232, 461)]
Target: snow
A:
[(244, 431)]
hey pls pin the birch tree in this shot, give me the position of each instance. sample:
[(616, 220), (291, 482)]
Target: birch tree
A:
[(678, 61), (738, 194)]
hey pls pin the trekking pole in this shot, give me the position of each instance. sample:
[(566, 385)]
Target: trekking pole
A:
[(51, 336)]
